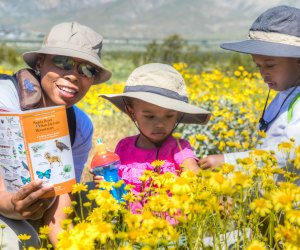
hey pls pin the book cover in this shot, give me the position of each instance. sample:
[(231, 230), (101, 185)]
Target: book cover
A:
[(36, 144)]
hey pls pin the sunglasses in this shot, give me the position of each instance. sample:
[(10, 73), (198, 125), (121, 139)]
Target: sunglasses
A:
[(68, 63)]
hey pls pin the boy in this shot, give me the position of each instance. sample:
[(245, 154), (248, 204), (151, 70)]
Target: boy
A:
[(274, 44)]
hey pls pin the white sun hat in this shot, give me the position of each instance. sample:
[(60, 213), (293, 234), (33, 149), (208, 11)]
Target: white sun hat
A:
[(161, 85)]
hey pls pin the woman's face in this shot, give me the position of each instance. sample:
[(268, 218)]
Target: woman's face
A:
[(279, 73), (62, 86)]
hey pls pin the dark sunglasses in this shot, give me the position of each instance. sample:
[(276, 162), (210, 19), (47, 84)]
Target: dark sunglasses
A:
[(68, 63)]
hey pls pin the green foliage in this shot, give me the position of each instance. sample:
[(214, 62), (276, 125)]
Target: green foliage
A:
[(9, 56)]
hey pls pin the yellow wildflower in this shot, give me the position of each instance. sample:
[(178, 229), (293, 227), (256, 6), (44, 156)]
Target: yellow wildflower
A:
[(281, 200), (262, 134), (68, 210), (293, 217), (79, 187), (261, 206), (286, 146), (180, 186), (24, 237), (201, 137), (256, 245), (146, 175), (44, 230), (241, 179), (157, 163), (176, 135)]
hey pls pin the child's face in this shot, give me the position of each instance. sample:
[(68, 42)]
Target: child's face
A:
[(154, 121), (280, 73)]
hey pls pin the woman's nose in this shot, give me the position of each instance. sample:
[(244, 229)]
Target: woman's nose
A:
[(72, 75)]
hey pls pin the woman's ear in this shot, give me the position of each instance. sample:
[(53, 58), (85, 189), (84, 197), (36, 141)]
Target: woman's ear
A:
[(39, 62)]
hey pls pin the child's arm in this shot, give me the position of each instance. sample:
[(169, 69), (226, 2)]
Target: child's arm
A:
[(190, 164)]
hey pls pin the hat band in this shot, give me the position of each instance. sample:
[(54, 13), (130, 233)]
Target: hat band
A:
[(274, 37), (156, 90)]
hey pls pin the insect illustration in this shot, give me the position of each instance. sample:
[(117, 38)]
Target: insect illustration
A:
[(46, 174), (53, 159), (25, 180), (61, 146)]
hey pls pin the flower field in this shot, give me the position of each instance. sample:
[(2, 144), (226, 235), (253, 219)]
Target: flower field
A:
[(233, 207), (213, 210)]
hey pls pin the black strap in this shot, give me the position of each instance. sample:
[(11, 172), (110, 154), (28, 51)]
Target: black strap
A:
[(70, 111), (263, 124), (71, 123), (13, 78)]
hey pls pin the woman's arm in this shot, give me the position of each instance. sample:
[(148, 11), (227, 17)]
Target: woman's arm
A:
[(55, 215)]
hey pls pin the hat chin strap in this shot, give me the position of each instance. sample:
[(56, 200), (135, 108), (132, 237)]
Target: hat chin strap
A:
[(160, 143)]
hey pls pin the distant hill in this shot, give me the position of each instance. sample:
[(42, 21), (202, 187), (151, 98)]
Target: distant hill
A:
[(146, 19)]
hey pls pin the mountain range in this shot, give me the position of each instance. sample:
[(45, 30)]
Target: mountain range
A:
[(142, 19)]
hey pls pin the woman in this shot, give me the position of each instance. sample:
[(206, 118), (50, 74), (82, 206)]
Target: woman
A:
[(66, 65)]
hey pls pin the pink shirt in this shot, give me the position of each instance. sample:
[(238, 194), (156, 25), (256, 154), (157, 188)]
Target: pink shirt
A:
[(135, 160)]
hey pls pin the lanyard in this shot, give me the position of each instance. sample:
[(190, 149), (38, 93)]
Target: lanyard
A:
[(263, 124)]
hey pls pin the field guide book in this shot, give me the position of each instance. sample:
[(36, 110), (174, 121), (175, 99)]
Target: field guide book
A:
[(36, 144)]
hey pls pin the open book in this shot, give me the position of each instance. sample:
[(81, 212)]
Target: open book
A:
[(36, 144)]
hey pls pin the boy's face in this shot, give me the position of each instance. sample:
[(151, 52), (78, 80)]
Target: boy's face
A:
[(280, 73), (154, 121)]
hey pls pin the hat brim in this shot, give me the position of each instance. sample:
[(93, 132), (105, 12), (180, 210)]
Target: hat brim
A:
[(258, 47), (192, 114), (103, 75)]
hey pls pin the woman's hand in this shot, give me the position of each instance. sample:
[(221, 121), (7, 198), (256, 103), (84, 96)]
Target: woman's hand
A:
[(27, 202)]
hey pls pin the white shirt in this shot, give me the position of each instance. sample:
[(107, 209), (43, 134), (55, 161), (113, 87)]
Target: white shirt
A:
[(280, 130)]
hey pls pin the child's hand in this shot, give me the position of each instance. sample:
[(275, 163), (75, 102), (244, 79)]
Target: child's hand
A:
[(211, 161), (97, 179)]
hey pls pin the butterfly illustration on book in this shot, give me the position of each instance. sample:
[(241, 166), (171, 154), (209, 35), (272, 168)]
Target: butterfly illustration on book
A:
[(46, 174), (25, 180)]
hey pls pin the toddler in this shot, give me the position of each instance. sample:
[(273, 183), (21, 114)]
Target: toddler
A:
[(155, 99)]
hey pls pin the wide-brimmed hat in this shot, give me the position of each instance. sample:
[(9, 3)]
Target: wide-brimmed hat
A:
[(74, 40), (276, 32), (161, 85)]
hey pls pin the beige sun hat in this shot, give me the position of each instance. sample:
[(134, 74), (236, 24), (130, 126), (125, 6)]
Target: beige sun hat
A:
[(74, 40), (161, 85)]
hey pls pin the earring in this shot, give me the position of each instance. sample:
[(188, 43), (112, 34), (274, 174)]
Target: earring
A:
[(37, 72)]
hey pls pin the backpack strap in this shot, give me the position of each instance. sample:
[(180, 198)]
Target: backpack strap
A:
[(31, 95), (13, 78), (71, 123), (29, 89), (291, 107)]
